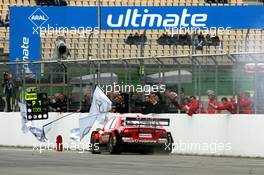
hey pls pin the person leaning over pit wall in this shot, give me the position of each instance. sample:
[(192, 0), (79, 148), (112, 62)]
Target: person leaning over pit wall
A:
[(193, 107), (229, 105)]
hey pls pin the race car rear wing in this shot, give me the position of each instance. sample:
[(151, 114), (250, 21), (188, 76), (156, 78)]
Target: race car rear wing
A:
[(138, 121)]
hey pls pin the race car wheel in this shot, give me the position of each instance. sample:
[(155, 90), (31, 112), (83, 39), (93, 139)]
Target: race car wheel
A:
[(93, 142), (112, 146), (169, 145)]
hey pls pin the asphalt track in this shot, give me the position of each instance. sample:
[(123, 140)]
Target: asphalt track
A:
[(29, 162)]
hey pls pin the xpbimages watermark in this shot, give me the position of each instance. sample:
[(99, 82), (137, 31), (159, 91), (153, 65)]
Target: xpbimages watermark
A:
[(59, 30), (72, 146), (128, 88), (212, 147), (212, 31)]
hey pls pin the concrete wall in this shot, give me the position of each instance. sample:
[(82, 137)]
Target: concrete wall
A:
[(222, 134)]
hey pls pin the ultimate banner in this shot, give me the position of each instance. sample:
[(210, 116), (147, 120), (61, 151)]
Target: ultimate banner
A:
[(26, 23)]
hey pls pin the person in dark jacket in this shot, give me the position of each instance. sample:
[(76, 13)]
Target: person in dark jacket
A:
[(60, 103), (153, 104), (8, 91), (120, 103)]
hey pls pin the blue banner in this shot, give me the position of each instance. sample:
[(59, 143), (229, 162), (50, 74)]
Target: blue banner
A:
[(27, 22)]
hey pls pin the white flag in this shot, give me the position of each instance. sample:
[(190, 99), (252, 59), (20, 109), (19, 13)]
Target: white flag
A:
[(101, 104), (30, 126)]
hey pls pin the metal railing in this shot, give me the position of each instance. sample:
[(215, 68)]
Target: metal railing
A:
[(77, 78)]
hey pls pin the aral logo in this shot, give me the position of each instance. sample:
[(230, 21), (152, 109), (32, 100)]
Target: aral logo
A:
[(38, 18)]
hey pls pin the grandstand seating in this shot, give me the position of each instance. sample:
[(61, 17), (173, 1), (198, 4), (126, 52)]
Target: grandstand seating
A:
[(113, 41), (113, 45)]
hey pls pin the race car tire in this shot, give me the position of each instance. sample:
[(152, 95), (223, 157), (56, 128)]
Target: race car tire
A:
[(112, 148), (169, 146)]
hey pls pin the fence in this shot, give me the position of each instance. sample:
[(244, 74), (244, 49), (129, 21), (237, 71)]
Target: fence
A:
[(226, 74)]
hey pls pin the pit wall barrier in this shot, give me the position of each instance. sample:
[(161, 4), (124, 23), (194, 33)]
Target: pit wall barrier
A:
[(201, 134)]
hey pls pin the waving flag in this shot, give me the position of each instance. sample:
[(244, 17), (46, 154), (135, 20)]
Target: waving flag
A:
[(101, 104)]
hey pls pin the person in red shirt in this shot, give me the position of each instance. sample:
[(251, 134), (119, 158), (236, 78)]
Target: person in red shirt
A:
[(193, 106), (212, 102), (245, 103), (230, 106), (186, 102)]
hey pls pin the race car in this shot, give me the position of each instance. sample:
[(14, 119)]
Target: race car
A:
[(141, 134)]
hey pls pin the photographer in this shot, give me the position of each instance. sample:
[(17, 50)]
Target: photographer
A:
[(8, 91)]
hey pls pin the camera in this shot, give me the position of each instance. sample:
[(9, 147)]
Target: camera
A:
[(61, 50)]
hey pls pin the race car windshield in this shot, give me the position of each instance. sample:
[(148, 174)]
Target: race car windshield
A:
[(145, 121)]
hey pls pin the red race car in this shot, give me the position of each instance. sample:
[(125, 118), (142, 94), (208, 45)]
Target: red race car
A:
[(133, 134)]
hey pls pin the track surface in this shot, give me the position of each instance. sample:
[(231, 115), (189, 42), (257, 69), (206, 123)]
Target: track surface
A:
[(28, 162)]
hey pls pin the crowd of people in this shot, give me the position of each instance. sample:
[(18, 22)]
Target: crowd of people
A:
[(182, 39), (136, 39), (199, 40), (161, 102), (155, 102)]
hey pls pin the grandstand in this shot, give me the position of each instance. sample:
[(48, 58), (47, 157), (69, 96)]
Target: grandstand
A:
[(113, 45)]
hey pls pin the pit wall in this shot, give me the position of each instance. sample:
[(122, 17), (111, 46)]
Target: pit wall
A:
[(201, 134)]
